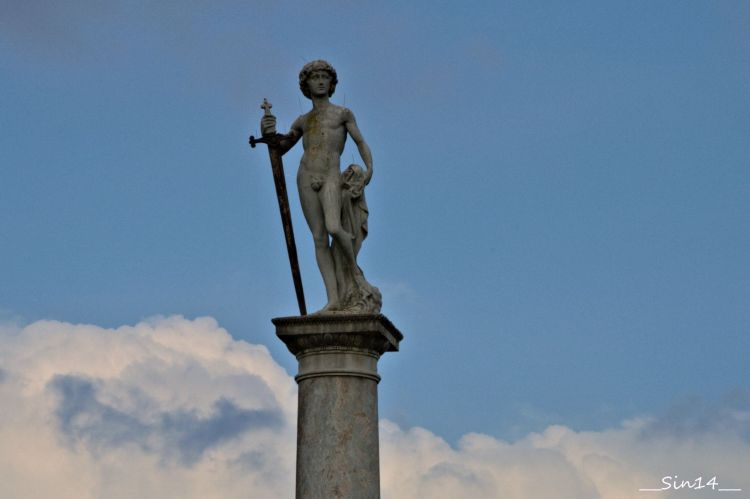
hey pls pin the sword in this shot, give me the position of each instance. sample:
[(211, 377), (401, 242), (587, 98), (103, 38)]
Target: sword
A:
[(277, 167)]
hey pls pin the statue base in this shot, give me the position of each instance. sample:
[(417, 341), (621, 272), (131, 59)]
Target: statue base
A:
[(337, 419)]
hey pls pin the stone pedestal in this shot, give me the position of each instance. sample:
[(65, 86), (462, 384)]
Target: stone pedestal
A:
[(337, 421)]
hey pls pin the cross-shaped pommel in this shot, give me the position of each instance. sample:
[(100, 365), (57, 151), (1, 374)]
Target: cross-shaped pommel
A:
[(266, 107), (270, 139)]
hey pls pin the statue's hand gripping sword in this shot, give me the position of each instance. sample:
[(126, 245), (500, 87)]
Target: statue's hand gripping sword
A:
[(274, 152)]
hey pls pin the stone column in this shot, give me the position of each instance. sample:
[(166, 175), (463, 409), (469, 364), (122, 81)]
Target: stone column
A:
[(337, 420)]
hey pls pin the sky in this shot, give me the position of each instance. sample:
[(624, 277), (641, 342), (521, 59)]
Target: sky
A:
[(559, 220)]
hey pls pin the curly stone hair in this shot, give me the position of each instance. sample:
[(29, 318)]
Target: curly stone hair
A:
[(319, 65)]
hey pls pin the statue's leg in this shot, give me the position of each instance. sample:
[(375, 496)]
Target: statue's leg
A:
[(314, 215), (330, 198)]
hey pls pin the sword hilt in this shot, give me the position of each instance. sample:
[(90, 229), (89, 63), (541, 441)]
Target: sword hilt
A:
[(270, 141), (266, 107)]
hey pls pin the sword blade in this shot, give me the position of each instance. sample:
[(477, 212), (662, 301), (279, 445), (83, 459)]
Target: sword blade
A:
[(277, 167)]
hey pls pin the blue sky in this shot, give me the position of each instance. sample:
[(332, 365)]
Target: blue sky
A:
[(558, 218)]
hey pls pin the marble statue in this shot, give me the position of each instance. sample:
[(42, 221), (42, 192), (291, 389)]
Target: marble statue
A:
[(333, 201)]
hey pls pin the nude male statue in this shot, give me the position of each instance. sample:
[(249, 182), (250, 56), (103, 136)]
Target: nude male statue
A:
[(337, 226)]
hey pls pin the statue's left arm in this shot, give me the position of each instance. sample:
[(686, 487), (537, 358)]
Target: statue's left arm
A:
[(364, 149)]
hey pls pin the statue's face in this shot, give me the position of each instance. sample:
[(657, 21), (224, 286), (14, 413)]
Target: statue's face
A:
[(319, 83)]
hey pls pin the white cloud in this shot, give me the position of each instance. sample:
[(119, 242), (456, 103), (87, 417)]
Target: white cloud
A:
[(166, 408), (175, 408), (560, 462)]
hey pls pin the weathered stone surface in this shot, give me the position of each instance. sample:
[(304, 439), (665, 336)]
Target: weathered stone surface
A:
[(337, 426), (337, 438), (333, 201), (370, 332)]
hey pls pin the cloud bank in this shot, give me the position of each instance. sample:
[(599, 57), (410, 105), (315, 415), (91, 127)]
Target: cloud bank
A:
[(176, 408)]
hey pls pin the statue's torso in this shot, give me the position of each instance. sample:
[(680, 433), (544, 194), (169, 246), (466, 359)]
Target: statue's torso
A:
[(323, 139)]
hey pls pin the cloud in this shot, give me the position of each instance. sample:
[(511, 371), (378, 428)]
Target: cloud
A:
[(559, 462), (176, 408), (166, 408), (81, 416), (694, 416)]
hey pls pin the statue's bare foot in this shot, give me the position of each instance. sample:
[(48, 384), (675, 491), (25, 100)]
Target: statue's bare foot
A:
[(330, 308)]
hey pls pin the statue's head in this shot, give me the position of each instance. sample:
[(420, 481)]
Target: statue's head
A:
[(309, 69)]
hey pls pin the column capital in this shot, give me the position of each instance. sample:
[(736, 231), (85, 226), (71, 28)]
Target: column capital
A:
[(373, 333)]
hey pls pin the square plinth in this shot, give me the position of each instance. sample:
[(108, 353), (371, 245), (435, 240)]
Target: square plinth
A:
[(339, 331)]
